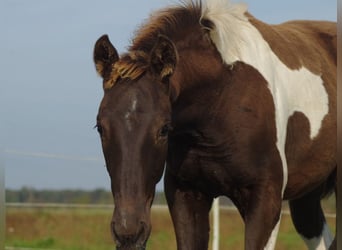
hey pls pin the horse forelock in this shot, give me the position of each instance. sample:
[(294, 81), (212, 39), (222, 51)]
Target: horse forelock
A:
[(131, 66)]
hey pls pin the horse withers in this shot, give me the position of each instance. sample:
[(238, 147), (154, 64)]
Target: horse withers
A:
[(236, 107)]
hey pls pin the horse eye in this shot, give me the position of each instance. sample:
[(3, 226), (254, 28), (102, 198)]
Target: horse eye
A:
[(164, 131), (99, 129)]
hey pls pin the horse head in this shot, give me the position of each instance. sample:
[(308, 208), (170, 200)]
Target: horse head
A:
[(133, 121)]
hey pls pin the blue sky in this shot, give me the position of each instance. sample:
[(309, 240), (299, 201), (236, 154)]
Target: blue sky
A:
[(49, 91)]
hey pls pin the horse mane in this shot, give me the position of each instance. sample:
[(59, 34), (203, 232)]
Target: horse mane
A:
[(176, 23), (173, 22)]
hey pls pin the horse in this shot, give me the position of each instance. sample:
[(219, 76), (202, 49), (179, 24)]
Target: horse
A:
[(235, 107)]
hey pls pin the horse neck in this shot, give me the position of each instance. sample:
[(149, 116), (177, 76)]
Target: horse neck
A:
[(198, 78), (198, 67)]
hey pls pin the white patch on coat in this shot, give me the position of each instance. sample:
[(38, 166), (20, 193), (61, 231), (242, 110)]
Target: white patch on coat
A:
[(322, 242), (293, 90), (273, 238), (129, 112)]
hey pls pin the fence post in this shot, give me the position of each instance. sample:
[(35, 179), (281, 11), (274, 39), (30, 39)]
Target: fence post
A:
[(216, 223)]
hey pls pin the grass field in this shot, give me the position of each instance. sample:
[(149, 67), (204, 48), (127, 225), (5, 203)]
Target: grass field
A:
[(88, 229)]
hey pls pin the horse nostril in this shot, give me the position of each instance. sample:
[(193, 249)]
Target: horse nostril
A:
[(112, 230), (141, 230)]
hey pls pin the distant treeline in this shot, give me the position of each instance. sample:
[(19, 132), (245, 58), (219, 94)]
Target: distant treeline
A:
[(31, 195), (97, 196)]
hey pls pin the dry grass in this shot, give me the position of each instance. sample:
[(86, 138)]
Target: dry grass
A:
[(76, 229)]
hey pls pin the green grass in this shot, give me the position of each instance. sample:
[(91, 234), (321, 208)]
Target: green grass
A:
[(88, 229), (48, 242)]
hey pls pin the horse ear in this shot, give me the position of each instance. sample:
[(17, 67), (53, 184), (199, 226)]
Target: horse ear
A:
[(163, 58), (105, 55)]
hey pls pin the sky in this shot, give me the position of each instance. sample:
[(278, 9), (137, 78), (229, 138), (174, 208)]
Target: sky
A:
[(50, 92)]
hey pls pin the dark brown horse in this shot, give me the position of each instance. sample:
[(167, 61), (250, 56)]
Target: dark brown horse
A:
[(235, 107)]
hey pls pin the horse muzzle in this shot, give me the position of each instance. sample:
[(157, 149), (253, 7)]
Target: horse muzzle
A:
[(130, 236)]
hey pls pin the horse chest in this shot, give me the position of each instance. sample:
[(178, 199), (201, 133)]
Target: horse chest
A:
[(205, 171)]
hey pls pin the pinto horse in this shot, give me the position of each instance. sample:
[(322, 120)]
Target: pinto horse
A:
[(235, 107)]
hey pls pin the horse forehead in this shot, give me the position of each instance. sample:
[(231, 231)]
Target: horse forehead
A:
[(129, 97)]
